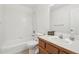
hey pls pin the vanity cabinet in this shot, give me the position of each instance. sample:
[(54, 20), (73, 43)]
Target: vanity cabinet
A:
[(46, 47)]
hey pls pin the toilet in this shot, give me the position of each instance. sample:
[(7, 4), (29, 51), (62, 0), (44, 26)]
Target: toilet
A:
[(33, 49)]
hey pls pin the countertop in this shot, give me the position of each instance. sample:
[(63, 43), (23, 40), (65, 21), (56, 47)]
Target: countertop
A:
[(72, 46)]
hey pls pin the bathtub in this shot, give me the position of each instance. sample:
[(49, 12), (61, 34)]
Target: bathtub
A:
[(20, 48), (14, 49)]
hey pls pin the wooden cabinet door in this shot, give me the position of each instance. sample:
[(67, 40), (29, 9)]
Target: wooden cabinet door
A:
[(42, 51), (41, 43), (51, 49)]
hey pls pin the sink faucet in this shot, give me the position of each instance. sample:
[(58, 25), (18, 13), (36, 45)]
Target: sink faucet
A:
[(72, 34), (72, 38), (61, 36)]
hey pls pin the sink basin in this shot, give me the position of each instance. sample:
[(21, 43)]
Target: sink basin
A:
[(66, 41)]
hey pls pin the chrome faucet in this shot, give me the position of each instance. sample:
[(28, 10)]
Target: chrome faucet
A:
[(72, 38), (61, 36)]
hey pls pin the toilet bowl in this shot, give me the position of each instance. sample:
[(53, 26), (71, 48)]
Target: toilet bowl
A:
[(33, 49), (32, 43)]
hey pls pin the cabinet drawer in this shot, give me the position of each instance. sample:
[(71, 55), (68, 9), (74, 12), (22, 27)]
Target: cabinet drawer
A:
[(41, 43), (51, 49)]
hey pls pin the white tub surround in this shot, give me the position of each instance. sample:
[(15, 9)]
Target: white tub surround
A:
[(15, 27)]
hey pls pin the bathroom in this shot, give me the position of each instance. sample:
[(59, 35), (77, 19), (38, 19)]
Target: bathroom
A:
[(39, 28)]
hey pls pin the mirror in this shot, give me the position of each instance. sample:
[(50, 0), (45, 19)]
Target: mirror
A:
[(59, 18), (64, 18), (75, 18)]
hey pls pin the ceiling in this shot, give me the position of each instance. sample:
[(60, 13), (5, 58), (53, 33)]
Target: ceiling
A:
[(58, 6), (52, 6), (33, 5)]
